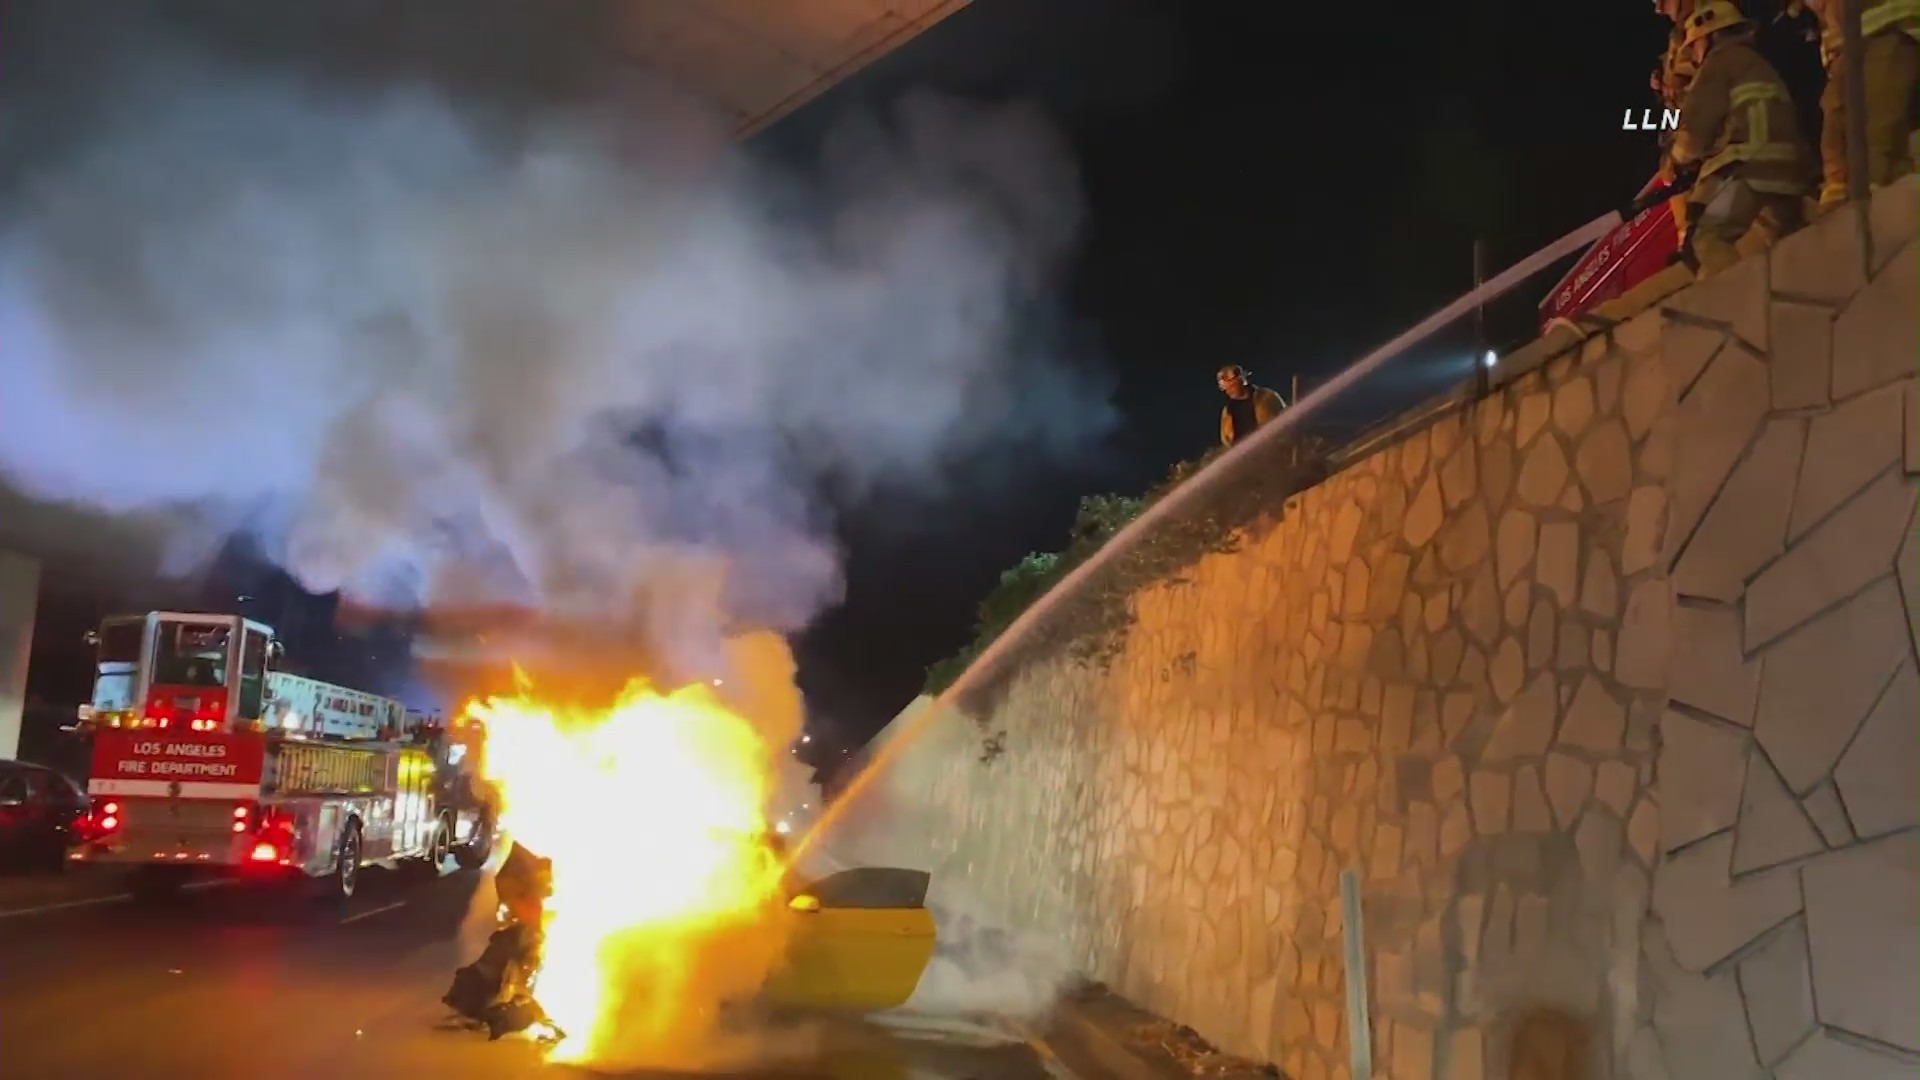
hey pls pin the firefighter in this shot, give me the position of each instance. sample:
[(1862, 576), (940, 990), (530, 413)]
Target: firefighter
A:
[(1670, 80), (1248, 406), (1738, 129), (1890, 41), (1676, 68)]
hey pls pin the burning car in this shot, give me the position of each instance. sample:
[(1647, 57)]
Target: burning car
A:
[(857, 941), (648, 908)]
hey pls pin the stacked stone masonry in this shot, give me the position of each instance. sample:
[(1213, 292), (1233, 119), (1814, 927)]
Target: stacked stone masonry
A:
[(1606, 686)]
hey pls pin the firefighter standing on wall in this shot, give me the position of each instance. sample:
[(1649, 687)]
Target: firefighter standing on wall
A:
[(1676, 68), (1890, 42), (1670, 80), (1248, 406), (1738, 128)]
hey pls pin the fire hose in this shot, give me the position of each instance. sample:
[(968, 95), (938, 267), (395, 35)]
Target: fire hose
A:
[(1681, 184)]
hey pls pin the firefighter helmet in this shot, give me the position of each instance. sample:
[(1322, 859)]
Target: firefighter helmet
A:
[(1712, 17)]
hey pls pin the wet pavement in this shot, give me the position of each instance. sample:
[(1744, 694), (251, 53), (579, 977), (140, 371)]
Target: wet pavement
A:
[(245, 982)]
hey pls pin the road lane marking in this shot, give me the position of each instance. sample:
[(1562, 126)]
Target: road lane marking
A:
[(98, 901), (65, 905), (371, 912)]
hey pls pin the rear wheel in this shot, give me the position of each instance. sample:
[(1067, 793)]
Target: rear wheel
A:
[(442, 844), (473, 854), (432, 860), (346, 870)]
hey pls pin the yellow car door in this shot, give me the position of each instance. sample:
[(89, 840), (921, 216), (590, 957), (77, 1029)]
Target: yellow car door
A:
[(859, 941)]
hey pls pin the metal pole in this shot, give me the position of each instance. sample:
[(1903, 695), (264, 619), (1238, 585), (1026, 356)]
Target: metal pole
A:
[(1482, 378), (1293, 398), (1359, 1015), (1853, 55), (1479, 279)]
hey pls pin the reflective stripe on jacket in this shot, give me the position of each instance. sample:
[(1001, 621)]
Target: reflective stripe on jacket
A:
[(1876, 17), (1754, 101), (1738, 112)]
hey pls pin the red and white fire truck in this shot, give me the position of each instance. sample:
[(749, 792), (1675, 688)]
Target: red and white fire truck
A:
[(207, 758)]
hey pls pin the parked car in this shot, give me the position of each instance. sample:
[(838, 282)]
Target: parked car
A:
[(41, 812)]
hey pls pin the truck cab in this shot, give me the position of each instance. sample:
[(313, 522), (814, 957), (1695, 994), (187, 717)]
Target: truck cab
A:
[(181, 672)]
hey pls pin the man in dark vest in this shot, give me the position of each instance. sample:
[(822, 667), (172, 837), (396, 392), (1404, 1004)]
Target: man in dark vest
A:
[(1248, 406)]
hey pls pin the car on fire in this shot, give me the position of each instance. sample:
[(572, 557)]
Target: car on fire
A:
[(859, 941)]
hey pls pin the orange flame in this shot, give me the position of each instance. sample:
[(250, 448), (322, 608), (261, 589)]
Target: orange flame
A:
[(664, 900)]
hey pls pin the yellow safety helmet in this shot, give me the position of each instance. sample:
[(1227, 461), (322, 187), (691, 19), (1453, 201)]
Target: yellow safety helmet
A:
[(1712, 17)]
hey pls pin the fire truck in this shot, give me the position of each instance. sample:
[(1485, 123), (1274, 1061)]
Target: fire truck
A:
[(208, 759)]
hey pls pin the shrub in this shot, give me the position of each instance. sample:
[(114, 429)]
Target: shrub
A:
[(1094, 622)]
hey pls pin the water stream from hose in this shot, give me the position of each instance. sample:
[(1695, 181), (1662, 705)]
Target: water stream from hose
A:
[(1184, 494)]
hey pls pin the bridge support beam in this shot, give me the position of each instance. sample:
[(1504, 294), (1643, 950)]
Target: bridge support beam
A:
[(19, 598)]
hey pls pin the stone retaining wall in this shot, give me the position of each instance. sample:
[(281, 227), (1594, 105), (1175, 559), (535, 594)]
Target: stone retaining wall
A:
[(1605, 685)]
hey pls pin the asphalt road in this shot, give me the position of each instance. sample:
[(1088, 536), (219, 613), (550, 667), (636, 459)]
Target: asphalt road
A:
[(237, 983)]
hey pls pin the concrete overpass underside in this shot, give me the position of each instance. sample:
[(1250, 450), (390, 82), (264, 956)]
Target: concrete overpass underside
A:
[(756, 61)]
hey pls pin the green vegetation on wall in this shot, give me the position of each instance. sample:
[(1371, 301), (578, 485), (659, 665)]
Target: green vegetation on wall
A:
[(1100, 517), (1094, 627)]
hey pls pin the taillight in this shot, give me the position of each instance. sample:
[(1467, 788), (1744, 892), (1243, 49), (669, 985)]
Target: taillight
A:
[(159, 715), (239, 819), (103, 820), (170, 707), (273, 833)]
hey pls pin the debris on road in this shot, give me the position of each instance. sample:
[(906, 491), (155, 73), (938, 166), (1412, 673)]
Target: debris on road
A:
[(1132, 1042), (496, 990)]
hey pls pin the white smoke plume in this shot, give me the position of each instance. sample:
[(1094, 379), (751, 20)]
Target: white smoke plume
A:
[(431, 346)]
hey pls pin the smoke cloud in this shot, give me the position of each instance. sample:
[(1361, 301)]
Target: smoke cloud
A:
[(427, 347)]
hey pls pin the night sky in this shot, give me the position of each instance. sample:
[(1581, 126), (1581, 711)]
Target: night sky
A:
[(1280, 189)]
